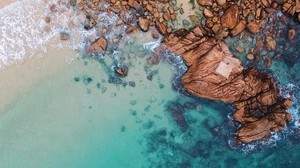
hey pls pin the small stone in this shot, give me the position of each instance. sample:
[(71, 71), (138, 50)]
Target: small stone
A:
[(64, 36), (131, 83), (89, 22), (267, 61), (250, 56), (48, 19), (131, 29), (76, 79), (123, 128), (143, 24), (150, 77), (133, 102), (121, 71), (221, 2), (239, 49), (149, 7), (253, 27), (73, 2), (87, 80), (207, 13), (185, 22), (205, 2), (161, 27), (115, 40), (156, 14), (53, 8), (291, 34), (270, 43), (155, 34), (171, 9), (216, 28)]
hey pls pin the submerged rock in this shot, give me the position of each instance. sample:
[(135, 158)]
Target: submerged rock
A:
[(121, 71), (291, 34), (214, 73)]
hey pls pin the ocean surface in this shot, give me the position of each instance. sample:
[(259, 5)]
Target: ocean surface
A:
[(61, 108)]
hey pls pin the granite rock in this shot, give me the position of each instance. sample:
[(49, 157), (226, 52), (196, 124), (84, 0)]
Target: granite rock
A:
[(214, 73)]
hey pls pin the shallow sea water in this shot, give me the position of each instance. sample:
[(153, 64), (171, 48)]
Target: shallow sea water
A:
[(85, 116)]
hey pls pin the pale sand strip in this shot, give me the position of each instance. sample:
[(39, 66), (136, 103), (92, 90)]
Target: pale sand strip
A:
[(18, 79), (4, 3)]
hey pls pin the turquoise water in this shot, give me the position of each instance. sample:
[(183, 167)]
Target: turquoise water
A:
[(85, 116), (78, 118)]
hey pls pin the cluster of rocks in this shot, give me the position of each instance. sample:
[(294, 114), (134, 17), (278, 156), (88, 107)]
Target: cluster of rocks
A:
[(225, 18), (291, 7), (229, 17), (143, 12), (213, 73)]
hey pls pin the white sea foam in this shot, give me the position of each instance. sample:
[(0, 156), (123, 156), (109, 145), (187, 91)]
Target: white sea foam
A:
[(23, 30)]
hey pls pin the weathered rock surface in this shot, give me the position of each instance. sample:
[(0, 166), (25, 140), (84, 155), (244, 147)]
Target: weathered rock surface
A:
[(99, 45), (205, 2), (213, 73), (230, 18), (143, 24)]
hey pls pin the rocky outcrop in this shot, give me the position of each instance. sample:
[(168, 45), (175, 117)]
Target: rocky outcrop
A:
[(214, 73)]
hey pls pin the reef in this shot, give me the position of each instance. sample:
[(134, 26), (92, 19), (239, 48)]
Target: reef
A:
[(214, 73)]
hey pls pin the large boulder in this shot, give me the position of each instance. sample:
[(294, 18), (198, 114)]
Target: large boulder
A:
[(230, 17), (214, 73), (98, 46)]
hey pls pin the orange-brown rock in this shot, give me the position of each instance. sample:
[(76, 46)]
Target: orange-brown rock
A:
[(143, 24), (239, 28), (291, 34), (254, 26), (214, 73), (161, 27), (121, 71), (99, 45), (221, 2), (205, 2), (270, 43), (164, 1), (230, 17), (250, 57), (207, 13)]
